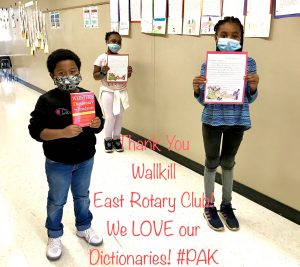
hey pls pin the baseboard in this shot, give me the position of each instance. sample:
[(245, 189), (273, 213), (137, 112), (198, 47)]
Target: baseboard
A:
[(29, 85)]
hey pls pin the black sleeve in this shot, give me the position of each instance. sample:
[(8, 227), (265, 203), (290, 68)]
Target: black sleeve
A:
[(38, 119), (100, 115)]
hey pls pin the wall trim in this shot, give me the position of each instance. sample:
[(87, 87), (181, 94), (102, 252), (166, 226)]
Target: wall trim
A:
[(251, 194), (29, 85), (75, 7)]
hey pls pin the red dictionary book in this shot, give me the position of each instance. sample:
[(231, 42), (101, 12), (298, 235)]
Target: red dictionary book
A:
[(83, 108)]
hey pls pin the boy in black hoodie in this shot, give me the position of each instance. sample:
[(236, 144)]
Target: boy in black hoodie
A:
[(69, 150)]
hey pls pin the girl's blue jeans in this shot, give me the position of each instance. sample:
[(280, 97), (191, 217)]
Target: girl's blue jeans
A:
[(61, 177)]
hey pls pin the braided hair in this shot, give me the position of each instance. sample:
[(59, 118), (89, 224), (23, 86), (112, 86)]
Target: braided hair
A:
[(231, 20)]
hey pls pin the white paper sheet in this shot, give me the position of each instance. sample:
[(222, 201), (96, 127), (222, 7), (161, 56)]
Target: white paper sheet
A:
[(135, 10), (160, 7), (285, 8), (191, 22), (225, 77), (234, 8), (124, 28), (90, 17), (12, 17), (255, 7), (118, 68), (147, 16), (94, 16), (147, 9), (175, 26), (114, 26), (4, 26), (124, 17), (211, 7), (159, 26), (124, 10), (114, 10), (175, 8), (86, 17), (159, 20), (208, 23), (258, 19), (175, 16), (257, 25)]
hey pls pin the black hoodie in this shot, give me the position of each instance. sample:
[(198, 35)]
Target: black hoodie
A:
[(53, 111)]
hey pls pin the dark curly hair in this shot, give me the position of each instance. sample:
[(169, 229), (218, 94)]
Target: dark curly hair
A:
[(231, 20), (60, 55), (109, 34)]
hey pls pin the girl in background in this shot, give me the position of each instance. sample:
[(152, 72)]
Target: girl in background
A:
[(113, 96), (225, 123)]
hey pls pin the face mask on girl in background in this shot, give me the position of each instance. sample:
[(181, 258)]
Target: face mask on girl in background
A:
[(114, 47)]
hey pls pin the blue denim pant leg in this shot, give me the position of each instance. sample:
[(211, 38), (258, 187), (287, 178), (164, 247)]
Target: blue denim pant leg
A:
[(60, 177), (80, 190)]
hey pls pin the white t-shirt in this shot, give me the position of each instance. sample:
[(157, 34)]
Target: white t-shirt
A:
[(117, 89), (101, 61)]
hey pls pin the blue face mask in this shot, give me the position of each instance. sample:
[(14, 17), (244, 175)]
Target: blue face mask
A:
[(226, 44), (114, 47)]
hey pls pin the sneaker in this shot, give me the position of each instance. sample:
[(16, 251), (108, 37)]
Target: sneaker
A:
[(54, 248), (227, 215), (118, 145), (108, 144), (212, 218), (90, 236)]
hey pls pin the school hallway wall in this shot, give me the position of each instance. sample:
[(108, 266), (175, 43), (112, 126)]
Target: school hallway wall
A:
[(161, 94)]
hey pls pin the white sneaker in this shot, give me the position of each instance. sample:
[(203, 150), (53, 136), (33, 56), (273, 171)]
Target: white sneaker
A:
[(90, 236), (54, 248)]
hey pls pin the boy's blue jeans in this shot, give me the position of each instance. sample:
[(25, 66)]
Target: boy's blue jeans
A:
[(60, 178)]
